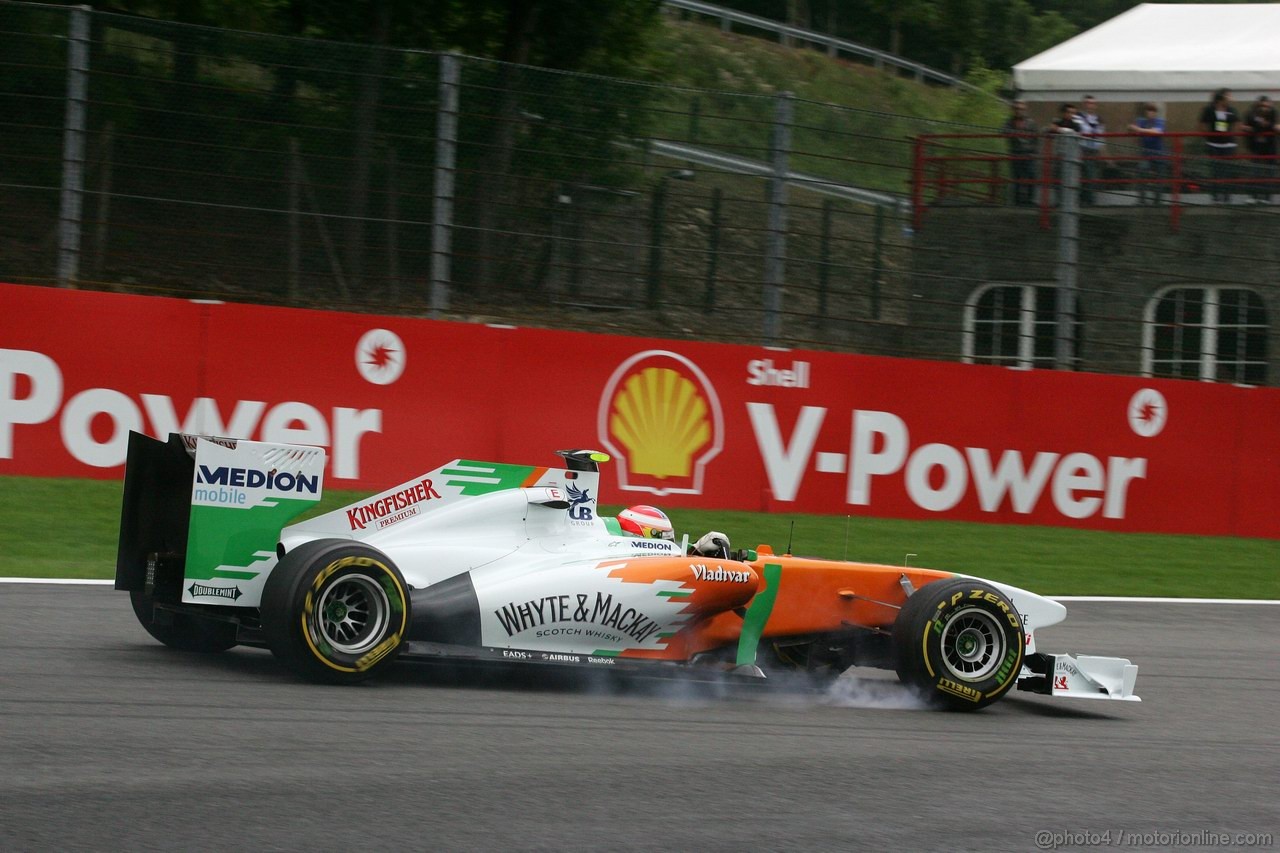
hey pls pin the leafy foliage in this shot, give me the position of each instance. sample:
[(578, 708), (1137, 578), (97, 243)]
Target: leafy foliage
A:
[(952, 35)]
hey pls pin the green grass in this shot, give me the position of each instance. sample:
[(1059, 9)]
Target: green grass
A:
[(60, 528)]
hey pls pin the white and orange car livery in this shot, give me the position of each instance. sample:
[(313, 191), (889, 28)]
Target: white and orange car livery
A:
[(477, 560)]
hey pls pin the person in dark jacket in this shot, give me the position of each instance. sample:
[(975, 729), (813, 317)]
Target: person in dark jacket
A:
[(1221, 119), (1023, 146), (1068, 122), (1260, 125)]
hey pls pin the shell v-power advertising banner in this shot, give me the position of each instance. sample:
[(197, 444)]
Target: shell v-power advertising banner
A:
[(686, 423)]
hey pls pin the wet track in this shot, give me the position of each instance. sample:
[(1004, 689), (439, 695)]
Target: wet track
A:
[(110, 741)]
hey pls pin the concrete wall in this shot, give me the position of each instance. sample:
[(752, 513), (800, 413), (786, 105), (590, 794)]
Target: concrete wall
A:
[(1126, 255)]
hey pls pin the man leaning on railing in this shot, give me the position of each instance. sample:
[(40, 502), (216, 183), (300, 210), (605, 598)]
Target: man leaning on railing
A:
[(1067, 122), (1021, 130), (1091, 126), (1260, 122), (1152, 168), (1222, 120)]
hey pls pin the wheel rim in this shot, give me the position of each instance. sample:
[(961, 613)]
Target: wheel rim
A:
[(352, 614), (972, 644)]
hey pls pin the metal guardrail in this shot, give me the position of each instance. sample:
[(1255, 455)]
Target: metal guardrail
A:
[(734, 164), (1181, 172), (834, 46)]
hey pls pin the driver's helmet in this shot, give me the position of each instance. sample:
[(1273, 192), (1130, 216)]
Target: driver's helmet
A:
[(647, 522)]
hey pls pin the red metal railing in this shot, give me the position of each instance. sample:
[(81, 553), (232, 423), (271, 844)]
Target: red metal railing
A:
[(977, 169)]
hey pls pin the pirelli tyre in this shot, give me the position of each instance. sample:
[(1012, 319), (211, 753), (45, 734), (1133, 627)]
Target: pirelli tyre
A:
[(181, 631), (335, 610), (958, 643)]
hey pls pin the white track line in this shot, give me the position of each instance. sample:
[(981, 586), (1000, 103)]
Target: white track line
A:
[(68, 581), (1138, 600), (1118, 598)]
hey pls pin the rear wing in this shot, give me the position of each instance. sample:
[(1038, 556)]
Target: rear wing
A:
[(201, 516)]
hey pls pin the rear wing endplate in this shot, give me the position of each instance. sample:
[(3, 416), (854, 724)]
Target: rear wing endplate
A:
[(207, 513)]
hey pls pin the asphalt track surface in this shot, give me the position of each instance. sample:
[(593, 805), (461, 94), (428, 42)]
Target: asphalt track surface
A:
[(109, 741)]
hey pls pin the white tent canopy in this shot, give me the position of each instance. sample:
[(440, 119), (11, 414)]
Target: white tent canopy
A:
[(1163, 52)]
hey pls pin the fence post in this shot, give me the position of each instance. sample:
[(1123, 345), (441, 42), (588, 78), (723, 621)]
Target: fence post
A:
[(824, 263), (917, 181), (1068, 251), (713, 251), (295, 218), (877, 263), (1175, 187), (657, 214), (575, 244), (72, 201), (1047, 163), (393, 222), (330, 251), (105, 160), (442, 185), (775, 259)]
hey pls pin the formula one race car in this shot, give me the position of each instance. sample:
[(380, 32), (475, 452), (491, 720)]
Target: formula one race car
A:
[(492, 561)]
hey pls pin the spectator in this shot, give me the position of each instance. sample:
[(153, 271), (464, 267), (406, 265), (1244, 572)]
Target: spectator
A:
[(1152, 167), (1220, 118), (1260, 123), (1067, 121), (1021, 130), (1090, 148)]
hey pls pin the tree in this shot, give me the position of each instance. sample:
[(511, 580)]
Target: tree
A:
[(922, 14), (553, 34), (346, 83)]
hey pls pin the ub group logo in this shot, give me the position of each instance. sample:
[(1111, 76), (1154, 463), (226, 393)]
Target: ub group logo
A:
[(580, 502), (380, 356), (660, 417)]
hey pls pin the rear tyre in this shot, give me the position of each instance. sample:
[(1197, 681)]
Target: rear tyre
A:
[(959, 644), (181, 631), (334, 610)]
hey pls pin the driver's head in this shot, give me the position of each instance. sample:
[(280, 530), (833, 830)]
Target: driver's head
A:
[(647, 522)]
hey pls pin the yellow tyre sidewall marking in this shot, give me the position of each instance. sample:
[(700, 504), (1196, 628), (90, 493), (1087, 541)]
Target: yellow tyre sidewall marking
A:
[(924, 648), (1013, 671), (382, 649)]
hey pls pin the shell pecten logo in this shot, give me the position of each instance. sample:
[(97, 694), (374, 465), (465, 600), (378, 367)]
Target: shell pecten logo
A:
[(660, 417)]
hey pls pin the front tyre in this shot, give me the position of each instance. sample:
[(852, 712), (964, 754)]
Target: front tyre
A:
[(958, 643), (334, 610)]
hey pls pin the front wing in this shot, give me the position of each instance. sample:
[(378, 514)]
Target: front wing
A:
[(1079, 677)]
